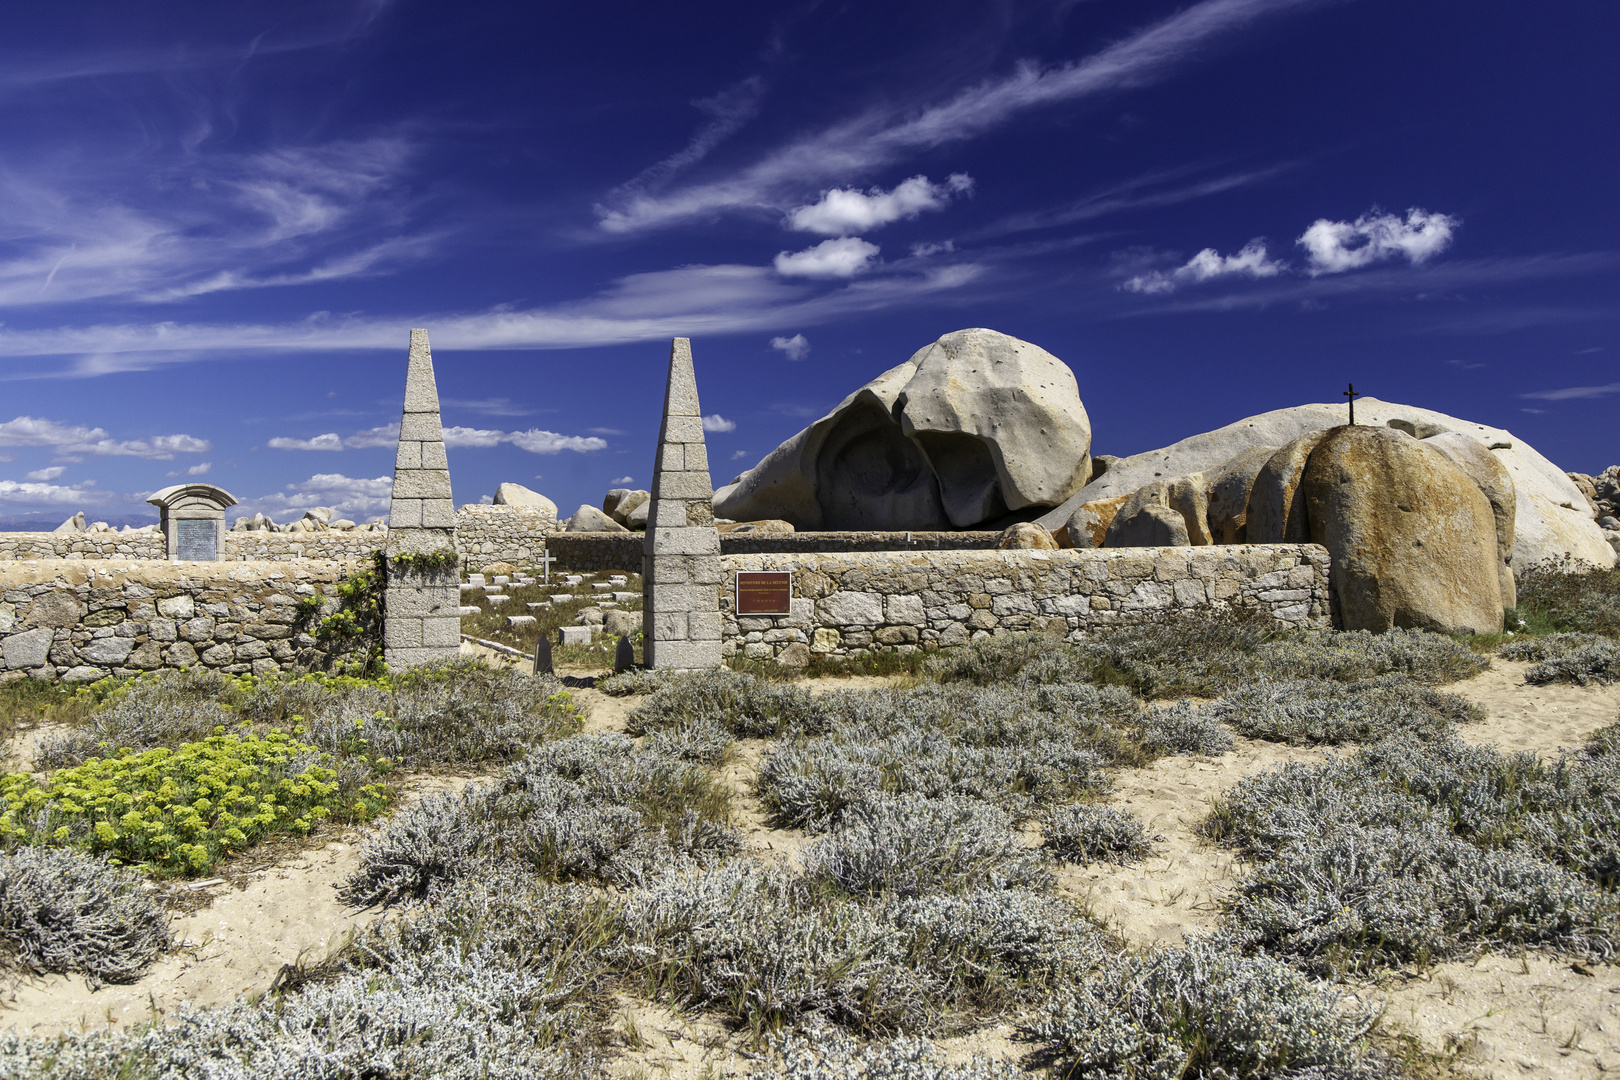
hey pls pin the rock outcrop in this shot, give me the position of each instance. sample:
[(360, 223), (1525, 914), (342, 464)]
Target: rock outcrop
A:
[(1552, 518), (518, 495), (973, 427), (590, 519), (1412, 539)]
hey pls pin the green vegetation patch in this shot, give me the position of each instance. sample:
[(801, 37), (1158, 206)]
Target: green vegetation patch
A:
[(1565, 595), (180, 810)]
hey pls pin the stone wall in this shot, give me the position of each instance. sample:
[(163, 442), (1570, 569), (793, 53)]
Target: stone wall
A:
[(511, 534), (904, 601), (594, 552), (77, 621), (336, 544), (97, 545)]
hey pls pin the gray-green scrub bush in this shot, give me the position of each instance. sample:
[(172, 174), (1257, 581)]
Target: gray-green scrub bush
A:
[(1206, 657), (1206, 1011), (1184, 728), (162, 710), (577, 809), (1008, 746), (704, 740), (745, 706), (1307, 712), (1084, 833), (910, 845), (829, 1054), (1576, 658), (771, 948), (496, 979), (1413, 849), (65, 912)]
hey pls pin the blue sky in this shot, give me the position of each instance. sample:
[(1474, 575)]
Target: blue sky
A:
[(218, 223)]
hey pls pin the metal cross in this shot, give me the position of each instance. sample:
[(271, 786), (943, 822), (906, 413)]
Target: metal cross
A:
[(1352, 395)]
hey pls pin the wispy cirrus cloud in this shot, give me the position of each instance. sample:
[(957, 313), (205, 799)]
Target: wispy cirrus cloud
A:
[(78, 441), (1574, 393), (882, 136), (44, 494), (688, 300), (281, 217)]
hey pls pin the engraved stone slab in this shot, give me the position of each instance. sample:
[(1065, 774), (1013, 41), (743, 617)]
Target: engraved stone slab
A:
[(196, 540)]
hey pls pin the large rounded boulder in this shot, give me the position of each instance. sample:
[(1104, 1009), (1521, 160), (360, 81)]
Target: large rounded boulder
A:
[(973, 427), (1412, 538)]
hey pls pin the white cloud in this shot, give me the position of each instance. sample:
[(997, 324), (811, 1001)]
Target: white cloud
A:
[(716, 422), (1337, 246), (47, 474), (841, 258), (739, 455), (845, 211), (622, 480), (79, 440), (922, 251), (200, 469), (653, 306), (1568, 393), (351, 497), (535, 441), (796, 347), (330, 441), (288, 216), (46, 494), (881, 136), (374, 438), (1251, 261)]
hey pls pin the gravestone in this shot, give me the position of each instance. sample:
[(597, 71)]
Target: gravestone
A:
[(193, 520), (422, 601)]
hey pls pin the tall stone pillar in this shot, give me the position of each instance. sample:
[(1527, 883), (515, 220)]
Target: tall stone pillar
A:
[(681, 574), (421, 622)]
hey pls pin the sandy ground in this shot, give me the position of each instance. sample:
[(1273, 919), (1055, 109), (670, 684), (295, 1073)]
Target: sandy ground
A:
[(1499, 1017)]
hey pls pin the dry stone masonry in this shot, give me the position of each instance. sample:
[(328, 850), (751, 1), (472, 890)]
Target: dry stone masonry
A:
[(851, 605), (681, 572), (421, 604), (74, 621)]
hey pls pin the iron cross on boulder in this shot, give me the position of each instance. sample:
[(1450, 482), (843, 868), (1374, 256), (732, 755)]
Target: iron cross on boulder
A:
[(1351, 395)]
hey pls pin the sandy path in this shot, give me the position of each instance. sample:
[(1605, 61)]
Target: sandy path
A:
[(1540, 718)]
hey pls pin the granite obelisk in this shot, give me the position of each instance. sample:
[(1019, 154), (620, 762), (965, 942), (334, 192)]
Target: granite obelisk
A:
[(421, 621), (681, 573)]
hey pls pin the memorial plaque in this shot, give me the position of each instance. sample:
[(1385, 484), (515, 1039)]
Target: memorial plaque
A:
[(764, 592), (196, 541)]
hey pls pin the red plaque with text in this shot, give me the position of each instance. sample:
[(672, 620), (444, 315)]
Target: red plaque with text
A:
[(764, 592)]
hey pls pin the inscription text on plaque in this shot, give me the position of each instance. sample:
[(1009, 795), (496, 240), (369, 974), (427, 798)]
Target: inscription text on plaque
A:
[(764, 592), (196, 541)]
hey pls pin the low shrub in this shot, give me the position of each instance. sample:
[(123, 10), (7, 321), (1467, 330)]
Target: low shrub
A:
[(590, 809), (1007, 746), (1087, 832), (179, 811), (1308, 712), (1412, 849), (908, 846), (704, 741), (169, 709), (1567, 595), (1206, 1011), (1573, 658), (743, 705), (833, 1055), (63, 912), (1206, 657), (769, 949), (1183, 728)]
